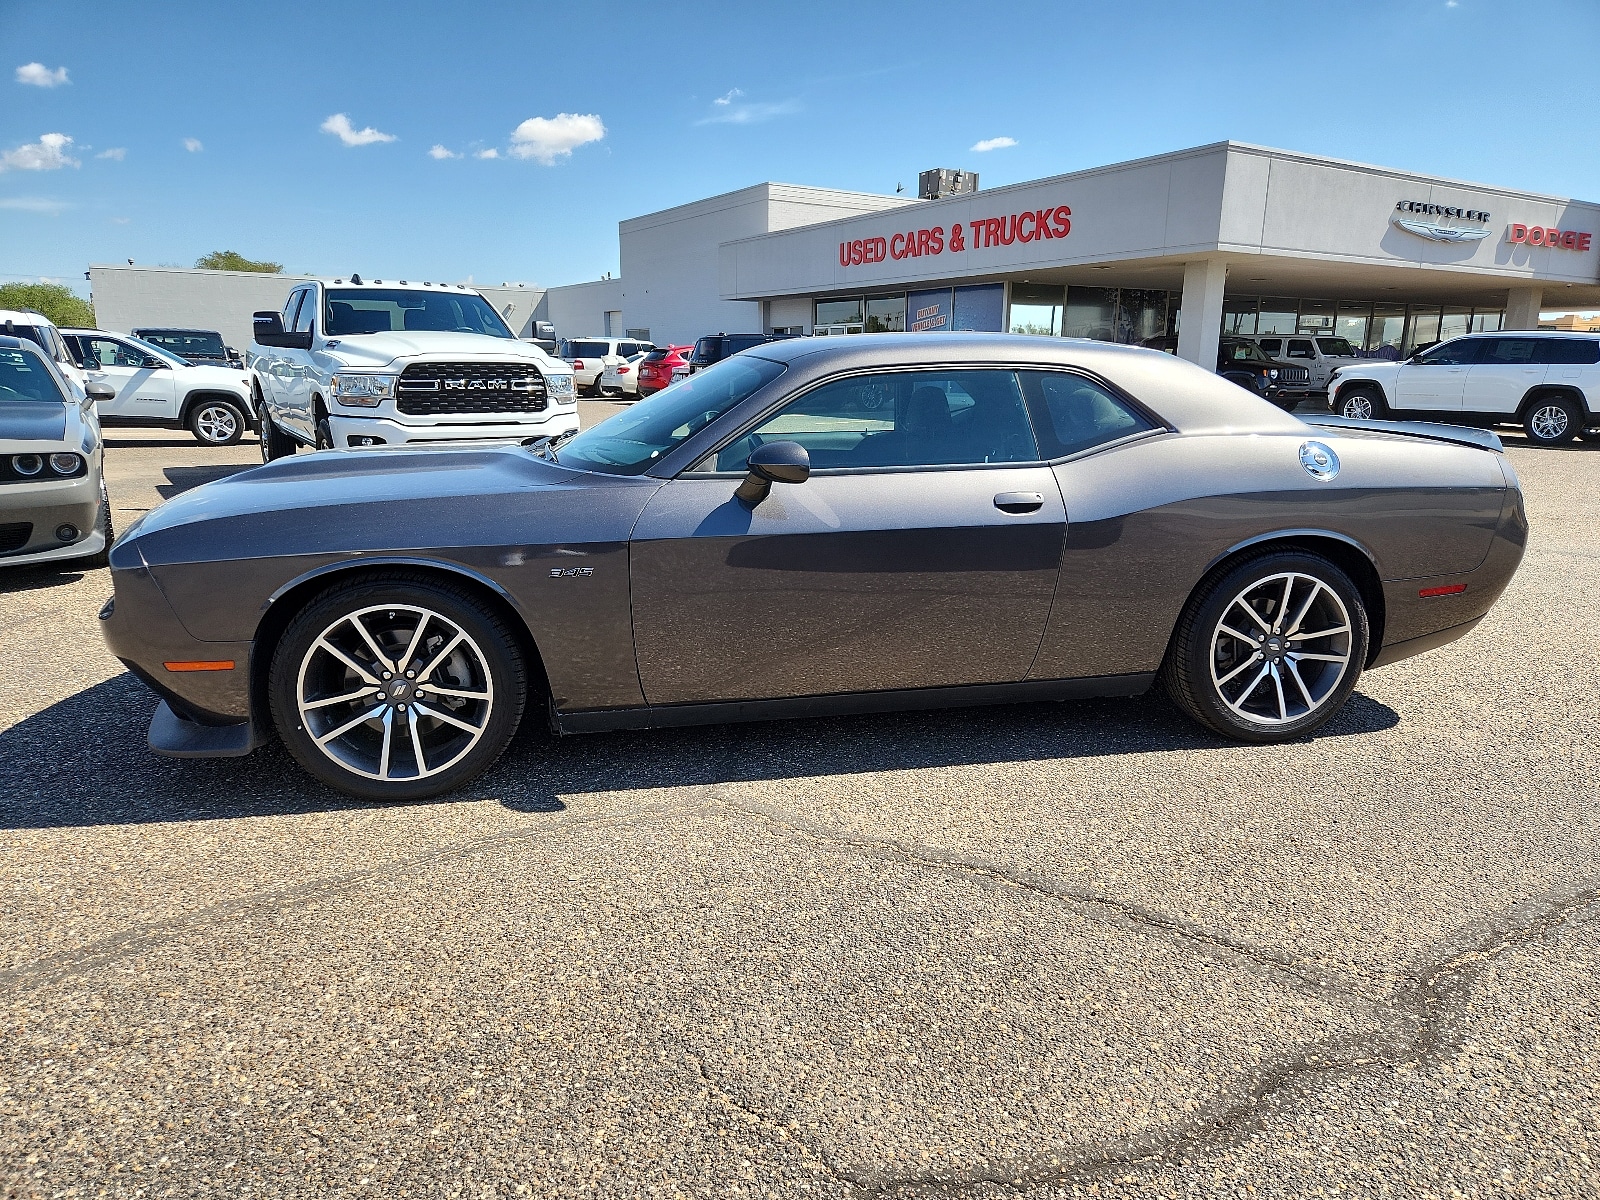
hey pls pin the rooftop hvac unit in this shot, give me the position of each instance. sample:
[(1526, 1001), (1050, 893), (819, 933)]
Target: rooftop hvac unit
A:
[(946, 181)]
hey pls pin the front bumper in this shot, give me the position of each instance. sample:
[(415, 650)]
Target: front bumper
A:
[(46, 506), (347, 430)]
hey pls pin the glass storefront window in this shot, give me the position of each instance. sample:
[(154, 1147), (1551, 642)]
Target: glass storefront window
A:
[(1141, 315), (1316, 316), (1239, 315), (886, 314), (1387, 331), (980, 308), (1351, 323), (1422, 328), (843, 315), (1036, 308), (1091, 313), (1487, 322), (1455, 324), (1278, 315)]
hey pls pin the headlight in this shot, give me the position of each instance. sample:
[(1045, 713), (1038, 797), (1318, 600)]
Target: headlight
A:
[(561, 388), (27, 464), (363, 391), (65, 464), (1273, 373)]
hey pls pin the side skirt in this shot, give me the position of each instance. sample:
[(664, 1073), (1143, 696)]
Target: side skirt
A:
[(596, 720)]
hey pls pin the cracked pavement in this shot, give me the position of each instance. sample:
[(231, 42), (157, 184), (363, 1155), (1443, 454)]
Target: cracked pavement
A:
[(1039, 951)]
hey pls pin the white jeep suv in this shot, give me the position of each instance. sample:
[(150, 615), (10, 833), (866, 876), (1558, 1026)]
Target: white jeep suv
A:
[(351, 364), (1322, 354), (1547, 382)]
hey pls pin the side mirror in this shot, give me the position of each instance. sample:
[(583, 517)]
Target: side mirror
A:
[(100, 391), (775, 462), (153, 364), (269, 331)]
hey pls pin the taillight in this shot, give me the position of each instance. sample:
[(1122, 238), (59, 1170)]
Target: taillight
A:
[(622, 370), (577, 364)]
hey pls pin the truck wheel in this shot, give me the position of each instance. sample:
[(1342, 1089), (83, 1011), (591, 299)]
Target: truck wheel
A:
[(216, 422), (275, 443), (1552, 421), (324, 429), (1362, 404)]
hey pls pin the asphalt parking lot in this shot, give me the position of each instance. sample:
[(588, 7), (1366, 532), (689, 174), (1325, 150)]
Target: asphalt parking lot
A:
[(1040, 951)]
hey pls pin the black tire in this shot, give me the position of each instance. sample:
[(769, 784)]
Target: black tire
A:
[(324, 430), (275, 443), (217, 422), (1206, 667), (95, 562), (1552, 421), (485, 661), (1590, 435), (1362, 403)]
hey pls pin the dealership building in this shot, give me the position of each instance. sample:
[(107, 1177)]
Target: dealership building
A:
[(1226, 238)]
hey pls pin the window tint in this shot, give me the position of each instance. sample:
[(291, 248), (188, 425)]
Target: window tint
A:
[(1461, 352), (1072, 413), (705, 349), (627, 349), (24, 377), (655, 356), (1336, 347), (1569, 352), (570, 349), (189, 345), (905, 419), (1301, 348), (1271, 345), (1504, 352)]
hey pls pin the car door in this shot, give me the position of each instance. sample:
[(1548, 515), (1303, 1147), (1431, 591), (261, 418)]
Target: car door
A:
[(922, 551), (1437, 380), (143, 383), (298, 370), (273, 368), (1506, 370)]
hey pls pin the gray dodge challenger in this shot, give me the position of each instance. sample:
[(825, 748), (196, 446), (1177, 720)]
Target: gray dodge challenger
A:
[(814, 526)]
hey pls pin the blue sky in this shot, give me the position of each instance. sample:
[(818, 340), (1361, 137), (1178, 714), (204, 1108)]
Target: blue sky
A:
[(306, 134)]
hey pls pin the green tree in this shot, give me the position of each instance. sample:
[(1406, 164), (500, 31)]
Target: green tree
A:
[(232, 260), (59, 303)]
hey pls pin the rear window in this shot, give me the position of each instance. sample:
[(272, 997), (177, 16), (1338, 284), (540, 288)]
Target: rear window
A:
[(24, 378), (187, 345), (706, 349), (584, 349), (655, 356)]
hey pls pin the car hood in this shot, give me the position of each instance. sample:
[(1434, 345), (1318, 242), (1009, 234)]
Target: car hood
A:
[(27, 421), (381, 349)]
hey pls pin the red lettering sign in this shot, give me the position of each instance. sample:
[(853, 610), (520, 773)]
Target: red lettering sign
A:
[(1539, 235), (1035, 225)]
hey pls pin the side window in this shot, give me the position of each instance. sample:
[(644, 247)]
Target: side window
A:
[(308, 312), (108, 353), (903, 419), (1072, 413), (124, 355), (627, 349), (1301, 348), (1271, 345), (291, 306), (1569, 352), (1509, 352)]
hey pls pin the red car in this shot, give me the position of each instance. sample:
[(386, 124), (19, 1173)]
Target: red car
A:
[(655, 368)]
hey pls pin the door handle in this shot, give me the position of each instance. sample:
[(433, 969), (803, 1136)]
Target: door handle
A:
[(1019, 502)]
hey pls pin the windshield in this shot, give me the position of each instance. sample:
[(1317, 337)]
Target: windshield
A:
[(24, 377), (1242, 351), (632, 441), (161, 352), (198, 344), (1336, 347), (392, 310)]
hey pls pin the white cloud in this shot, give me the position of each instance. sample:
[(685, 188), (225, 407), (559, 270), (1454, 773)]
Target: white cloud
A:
[(732, 95), (116, 153), (39, 75), (36, 204), (49, 153), (545, 139), (442, 152), (489, 153), (120, 220), (193, 145), (339, 126), (748, 114), (999, 143)]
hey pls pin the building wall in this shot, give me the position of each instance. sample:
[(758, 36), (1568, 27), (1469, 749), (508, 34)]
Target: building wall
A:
[(579, 309), (670, 274)]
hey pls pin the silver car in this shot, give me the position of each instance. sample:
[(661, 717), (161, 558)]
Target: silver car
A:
[(53, 504)]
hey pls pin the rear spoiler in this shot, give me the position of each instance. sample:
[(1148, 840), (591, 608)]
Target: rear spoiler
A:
[(1461, 435)]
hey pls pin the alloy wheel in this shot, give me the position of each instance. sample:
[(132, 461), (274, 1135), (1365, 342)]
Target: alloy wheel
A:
[(1357, 407), (1280, 649), (1550, 422), (394, 692), (217, 424)]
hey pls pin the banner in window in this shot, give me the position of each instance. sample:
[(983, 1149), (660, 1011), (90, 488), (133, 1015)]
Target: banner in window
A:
[(929, 312)]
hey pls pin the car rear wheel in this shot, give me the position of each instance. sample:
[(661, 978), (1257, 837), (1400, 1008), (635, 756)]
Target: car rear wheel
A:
[(102, 558), (1552, 421), (1362, 404), (216, 422), (1270, 650), (275, 443), (397, 688)]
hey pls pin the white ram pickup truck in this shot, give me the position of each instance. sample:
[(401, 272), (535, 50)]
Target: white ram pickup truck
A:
[(348, 365)]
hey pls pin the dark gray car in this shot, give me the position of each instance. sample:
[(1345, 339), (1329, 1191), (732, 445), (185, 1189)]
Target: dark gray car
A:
[(814, 526)]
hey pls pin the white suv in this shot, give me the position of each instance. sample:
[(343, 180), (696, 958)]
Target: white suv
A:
[(42, 332), (155, 387), (1549, 383), (353, 364), (589, 358), (1322, 354)]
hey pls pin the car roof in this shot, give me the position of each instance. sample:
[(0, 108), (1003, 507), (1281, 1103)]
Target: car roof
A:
[(1567, 333), (143, 329), (23, 316)]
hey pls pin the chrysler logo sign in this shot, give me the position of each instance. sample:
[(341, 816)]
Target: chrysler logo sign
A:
[(1413, 216)]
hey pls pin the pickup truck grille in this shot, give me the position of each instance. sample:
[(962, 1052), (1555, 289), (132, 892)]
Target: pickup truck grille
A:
[(1294, 375), (437, 389)]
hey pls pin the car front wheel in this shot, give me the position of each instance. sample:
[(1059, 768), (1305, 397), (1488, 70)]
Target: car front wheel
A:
[(275, 443), (397, 688), (216, 422), (1552, 422), (1362, 404), (1270, 650)]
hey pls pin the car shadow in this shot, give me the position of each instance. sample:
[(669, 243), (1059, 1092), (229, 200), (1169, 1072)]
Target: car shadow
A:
[(84, 761), (35, 579), (181, 479)]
